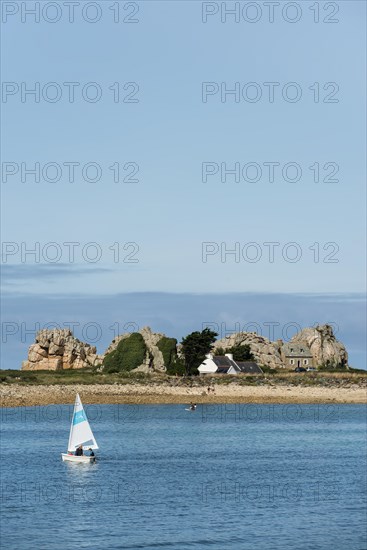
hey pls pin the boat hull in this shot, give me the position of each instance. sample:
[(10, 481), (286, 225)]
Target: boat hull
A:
[(81, 459)]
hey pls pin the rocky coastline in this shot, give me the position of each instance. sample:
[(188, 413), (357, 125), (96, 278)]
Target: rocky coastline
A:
[(60, 358), (331, 389)]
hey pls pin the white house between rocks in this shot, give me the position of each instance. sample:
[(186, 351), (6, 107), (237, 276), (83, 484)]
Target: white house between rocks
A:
[(225, 364)]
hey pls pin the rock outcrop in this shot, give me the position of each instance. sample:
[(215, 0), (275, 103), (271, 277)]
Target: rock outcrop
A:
[(325, 348), (265, 352), (154, 357), (57, 349)]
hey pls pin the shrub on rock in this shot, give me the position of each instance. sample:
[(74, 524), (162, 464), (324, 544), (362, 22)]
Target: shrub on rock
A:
[(129, 354), (169, 350)]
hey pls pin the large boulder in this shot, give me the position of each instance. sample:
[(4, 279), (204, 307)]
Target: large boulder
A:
[(154, 357), (265, 352), (57, 349), (36, 353), (325, 348)]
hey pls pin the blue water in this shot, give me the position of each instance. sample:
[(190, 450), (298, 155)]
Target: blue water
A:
[(224, 477)]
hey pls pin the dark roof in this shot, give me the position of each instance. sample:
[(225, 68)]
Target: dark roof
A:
[(223, 362), (296, 350), (223, 370), (249, 367)]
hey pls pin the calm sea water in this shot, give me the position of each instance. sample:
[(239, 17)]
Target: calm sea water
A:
[(224, 477)]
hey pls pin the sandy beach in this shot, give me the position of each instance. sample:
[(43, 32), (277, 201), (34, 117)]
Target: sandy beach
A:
[(15, 395)]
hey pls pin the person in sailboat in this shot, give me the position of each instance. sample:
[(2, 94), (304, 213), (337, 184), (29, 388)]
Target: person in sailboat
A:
[(80, 434), (79, 451), (91, 452)]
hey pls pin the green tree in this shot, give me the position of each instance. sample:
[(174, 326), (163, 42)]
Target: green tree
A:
[(177, 366), (240, 353), (194, 348), (129, 354)]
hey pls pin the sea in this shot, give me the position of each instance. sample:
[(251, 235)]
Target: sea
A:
[(225, 477)]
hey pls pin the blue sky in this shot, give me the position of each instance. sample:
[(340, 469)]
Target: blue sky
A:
[(169, 133)]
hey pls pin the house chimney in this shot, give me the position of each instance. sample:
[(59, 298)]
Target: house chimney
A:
[(229, 355)]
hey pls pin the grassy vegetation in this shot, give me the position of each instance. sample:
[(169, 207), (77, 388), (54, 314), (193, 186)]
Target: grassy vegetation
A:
[(68, 377), (9, 376), (94, 376), (328, 368), (269, 370), (86, 376)]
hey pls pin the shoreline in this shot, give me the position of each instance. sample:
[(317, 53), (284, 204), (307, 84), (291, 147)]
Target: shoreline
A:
[(16, 395)]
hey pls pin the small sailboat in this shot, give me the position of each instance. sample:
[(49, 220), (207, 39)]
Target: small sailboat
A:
[(80, 435)]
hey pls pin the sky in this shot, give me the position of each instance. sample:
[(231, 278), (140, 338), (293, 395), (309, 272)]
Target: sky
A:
[(186, 163)]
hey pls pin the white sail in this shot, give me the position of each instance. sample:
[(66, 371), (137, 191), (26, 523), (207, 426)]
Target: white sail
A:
[(80, 431)]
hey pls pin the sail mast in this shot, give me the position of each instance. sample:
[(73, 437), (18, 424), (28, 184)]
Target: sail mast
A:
[(77, 400)]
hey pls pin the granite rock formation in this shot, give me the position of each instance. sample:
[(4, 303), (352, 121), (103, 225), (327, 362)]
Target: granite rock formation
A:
[(154, 357), (265, 352), (57, 349), (325, 348)]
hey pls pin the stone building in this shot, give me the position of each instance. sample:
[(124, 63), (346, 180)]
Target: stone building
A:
[(297, 355)]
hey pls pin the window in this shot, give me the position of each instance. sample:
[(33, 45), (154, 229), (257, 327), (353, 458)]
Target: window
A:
[(292, 361), (301, 350), (291, 350), (305, 361)]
